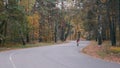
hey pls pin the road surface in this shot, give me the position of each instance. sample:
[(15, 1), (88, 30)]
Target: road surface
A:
[(65, 55)]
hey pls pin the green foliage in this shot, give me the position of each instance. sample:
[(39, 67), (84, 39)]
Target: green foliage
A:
[(27, 4), (54, 23), (3, 16), (13, 22), (90, 22)]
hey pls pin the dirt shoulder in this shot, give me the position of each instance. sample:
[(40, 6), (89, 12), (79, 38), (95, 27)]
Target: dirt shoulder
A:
[(101, 52)]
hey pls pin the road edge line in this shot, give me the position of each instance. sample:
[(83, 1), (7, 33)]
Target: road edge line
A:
[(11, 60)]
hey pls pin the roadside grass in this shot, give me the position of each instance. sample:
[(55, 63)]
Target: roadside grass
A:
[(13, 46), (110, 50), (115, 50), (102, 54)]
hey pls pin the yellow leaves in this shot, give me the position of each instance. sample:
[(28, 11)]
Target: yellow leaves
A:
[(30, 20), (34, 20), (36, 17), (115, 49), (103, 1), (34, 24)]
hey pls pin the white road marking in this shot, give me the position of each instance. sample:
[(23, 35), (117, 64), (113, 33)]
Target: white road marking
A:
[(11, 60)]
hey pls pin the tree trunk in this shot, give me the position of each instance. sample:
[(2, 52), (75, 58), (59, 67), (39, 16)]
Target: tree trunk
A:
[(112, 32), (22, 38), (5, 32), (62, 34), (68, 32), (41, 28), (104, 31), (113, 38), (1, 32), (119, 22), (112, 27), (23, 41), (27, 38), (56, 31), (99, 31)]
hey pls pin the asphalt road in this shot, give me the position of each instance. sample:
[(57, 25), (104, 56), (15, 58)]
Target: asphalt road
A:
[(66, 55)]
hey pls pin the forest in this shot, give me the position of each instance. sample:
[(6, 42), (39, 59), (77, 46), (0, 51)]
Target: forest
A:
[(25, 21)]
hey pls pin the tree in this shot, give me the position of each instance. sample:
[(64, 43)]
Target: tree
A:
[(12, 21), (112, 12), (44, 8), (3, 23), (17, 16)]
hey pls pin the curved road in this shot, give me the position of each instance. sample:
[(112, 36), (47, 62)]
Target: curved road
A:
[(66, 55)]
